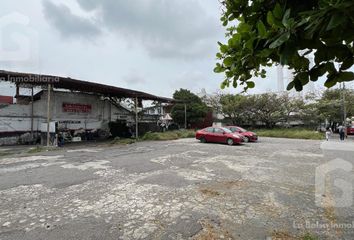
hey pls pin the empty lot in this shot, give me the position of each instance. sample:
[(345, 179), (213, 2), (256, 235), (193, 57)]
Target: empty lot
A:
[(169, 190)]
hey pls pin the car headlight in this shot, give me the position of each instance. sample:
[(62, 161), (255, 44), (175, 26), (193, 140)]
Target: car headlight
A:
[(236, 136)]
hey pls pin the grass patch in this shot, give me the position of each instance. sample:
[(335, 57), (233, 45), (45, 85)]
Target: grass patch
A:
[(290, 133), (3, 154), (169, 135), (123, 141), (35, 150), (308, 236)]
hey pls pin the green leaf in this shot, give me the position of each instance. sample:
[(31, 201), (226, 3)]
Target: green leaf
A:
[(250, 84), (298, 85), (303, 77), (283, 38), (243, 28), (261, 29), (287, 53), (330, 81), (234, 83), (290, 86), (228, 61), (336, 20), (278, 12), (317, 72), (320, 55), (345, 76), (224, 48), (270, 18), (285, 20), (347, 63), (249, 44), (218, 69)]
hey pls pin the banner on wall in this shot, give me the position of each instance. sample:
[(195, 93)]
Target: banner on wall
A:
[(77, 108)]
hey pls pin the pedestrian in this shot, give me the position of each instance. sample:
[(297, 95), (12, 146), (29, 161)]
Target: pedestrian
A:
[(328, 133), (341, 132)]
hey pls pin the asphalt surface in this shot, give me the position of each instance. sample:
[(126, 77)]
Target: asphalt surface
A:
[(179, 190)]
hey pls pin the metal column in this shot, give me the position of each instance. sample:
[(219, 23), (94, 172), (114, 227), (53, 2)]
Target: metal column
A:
[(136, 119), (48, 115), (185, 115), (32, 114)]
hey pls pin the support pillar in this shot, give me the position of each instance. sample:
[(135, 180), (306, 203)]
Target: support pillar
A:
[(136, 119), (32, 110), (48, 115), (185, 115)]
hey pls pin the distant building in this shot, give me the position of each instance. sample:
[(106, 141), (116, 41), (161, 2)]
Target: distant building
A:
[(215, 115)]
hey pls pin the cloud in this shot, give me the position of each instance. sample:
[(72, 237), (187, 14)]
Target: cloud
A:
[(68, 24), (134, 79), (165, 28)]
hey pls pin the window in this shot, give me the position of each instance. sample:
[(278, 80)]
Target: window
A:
[(210, 130), (218, 131)]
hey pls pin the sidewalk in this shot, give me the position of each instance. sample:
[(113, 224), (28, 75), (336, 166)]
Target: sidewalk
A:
[(334, 148)]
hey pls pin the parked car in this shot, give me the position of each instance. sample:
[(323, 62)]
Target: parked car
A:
[(218, 135), (251, 136), (350, 130)]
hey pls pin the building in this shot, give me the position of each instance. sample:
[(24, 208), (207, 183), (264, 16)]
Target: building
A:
[(72, 106)]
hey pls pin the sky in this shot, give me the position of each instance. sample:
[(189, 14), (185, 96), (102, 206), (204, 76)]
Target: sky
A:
[(156, 46)]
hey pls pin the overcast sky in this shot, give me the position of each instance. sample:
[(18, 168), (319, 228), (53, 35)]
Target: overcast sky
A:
[(156, 46)]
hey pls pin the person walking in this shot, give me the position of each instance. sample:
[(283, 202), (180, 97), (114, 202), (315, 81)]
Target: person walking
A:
[(328, 133), (341, 133)]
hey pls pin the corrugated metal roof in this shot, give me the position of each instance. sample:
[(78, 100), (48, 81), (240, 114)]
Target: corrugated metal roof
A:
[(31, 79)]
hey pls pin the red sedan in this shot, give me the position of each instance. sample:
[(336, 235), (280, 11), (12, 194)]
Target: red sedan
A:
[(350, 130), (219, 135), (250, 136)]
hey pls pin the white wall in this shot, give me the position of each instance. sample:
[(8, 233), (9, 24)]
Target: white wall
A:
[(17, 118)]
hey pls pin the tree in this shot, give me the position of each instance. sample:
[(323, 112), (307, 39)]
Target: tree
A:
[(310, 114), (330, 105), (287, 32), (268, 109), (196, 109), (292, 108), (234, 108)]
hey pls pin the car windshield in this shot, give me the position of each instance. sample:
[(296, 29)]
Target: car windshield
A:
[(226, 130)]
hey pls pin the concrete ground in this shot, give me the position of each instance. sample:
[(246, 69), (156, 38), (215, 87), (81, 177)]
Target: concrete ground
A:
[(179, 190)]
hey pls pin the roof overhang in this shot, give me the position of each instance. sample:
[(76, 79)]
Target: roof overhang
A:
[(39, 80)]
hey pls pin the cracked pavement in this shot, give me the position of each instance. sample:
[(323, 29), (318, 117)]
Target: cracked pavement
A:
[(169, 190)]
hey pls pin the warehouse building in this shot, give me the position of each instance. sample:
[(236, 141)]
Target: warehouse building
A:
[(78, 109)]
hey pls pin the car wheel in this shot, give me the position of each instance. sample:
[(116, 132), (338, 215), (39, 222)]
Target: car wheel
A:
[(202, 140), (230, 141), (246, 139)]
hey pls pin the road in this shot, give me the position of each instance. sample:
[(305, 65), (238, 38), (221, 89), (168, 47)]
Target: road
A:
[(172, 190)]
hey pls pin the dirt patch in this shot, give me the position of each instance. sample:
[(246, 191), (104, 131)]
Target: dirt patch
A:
[(283, 236), (211, 232), (221, 188), (209, 192)]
